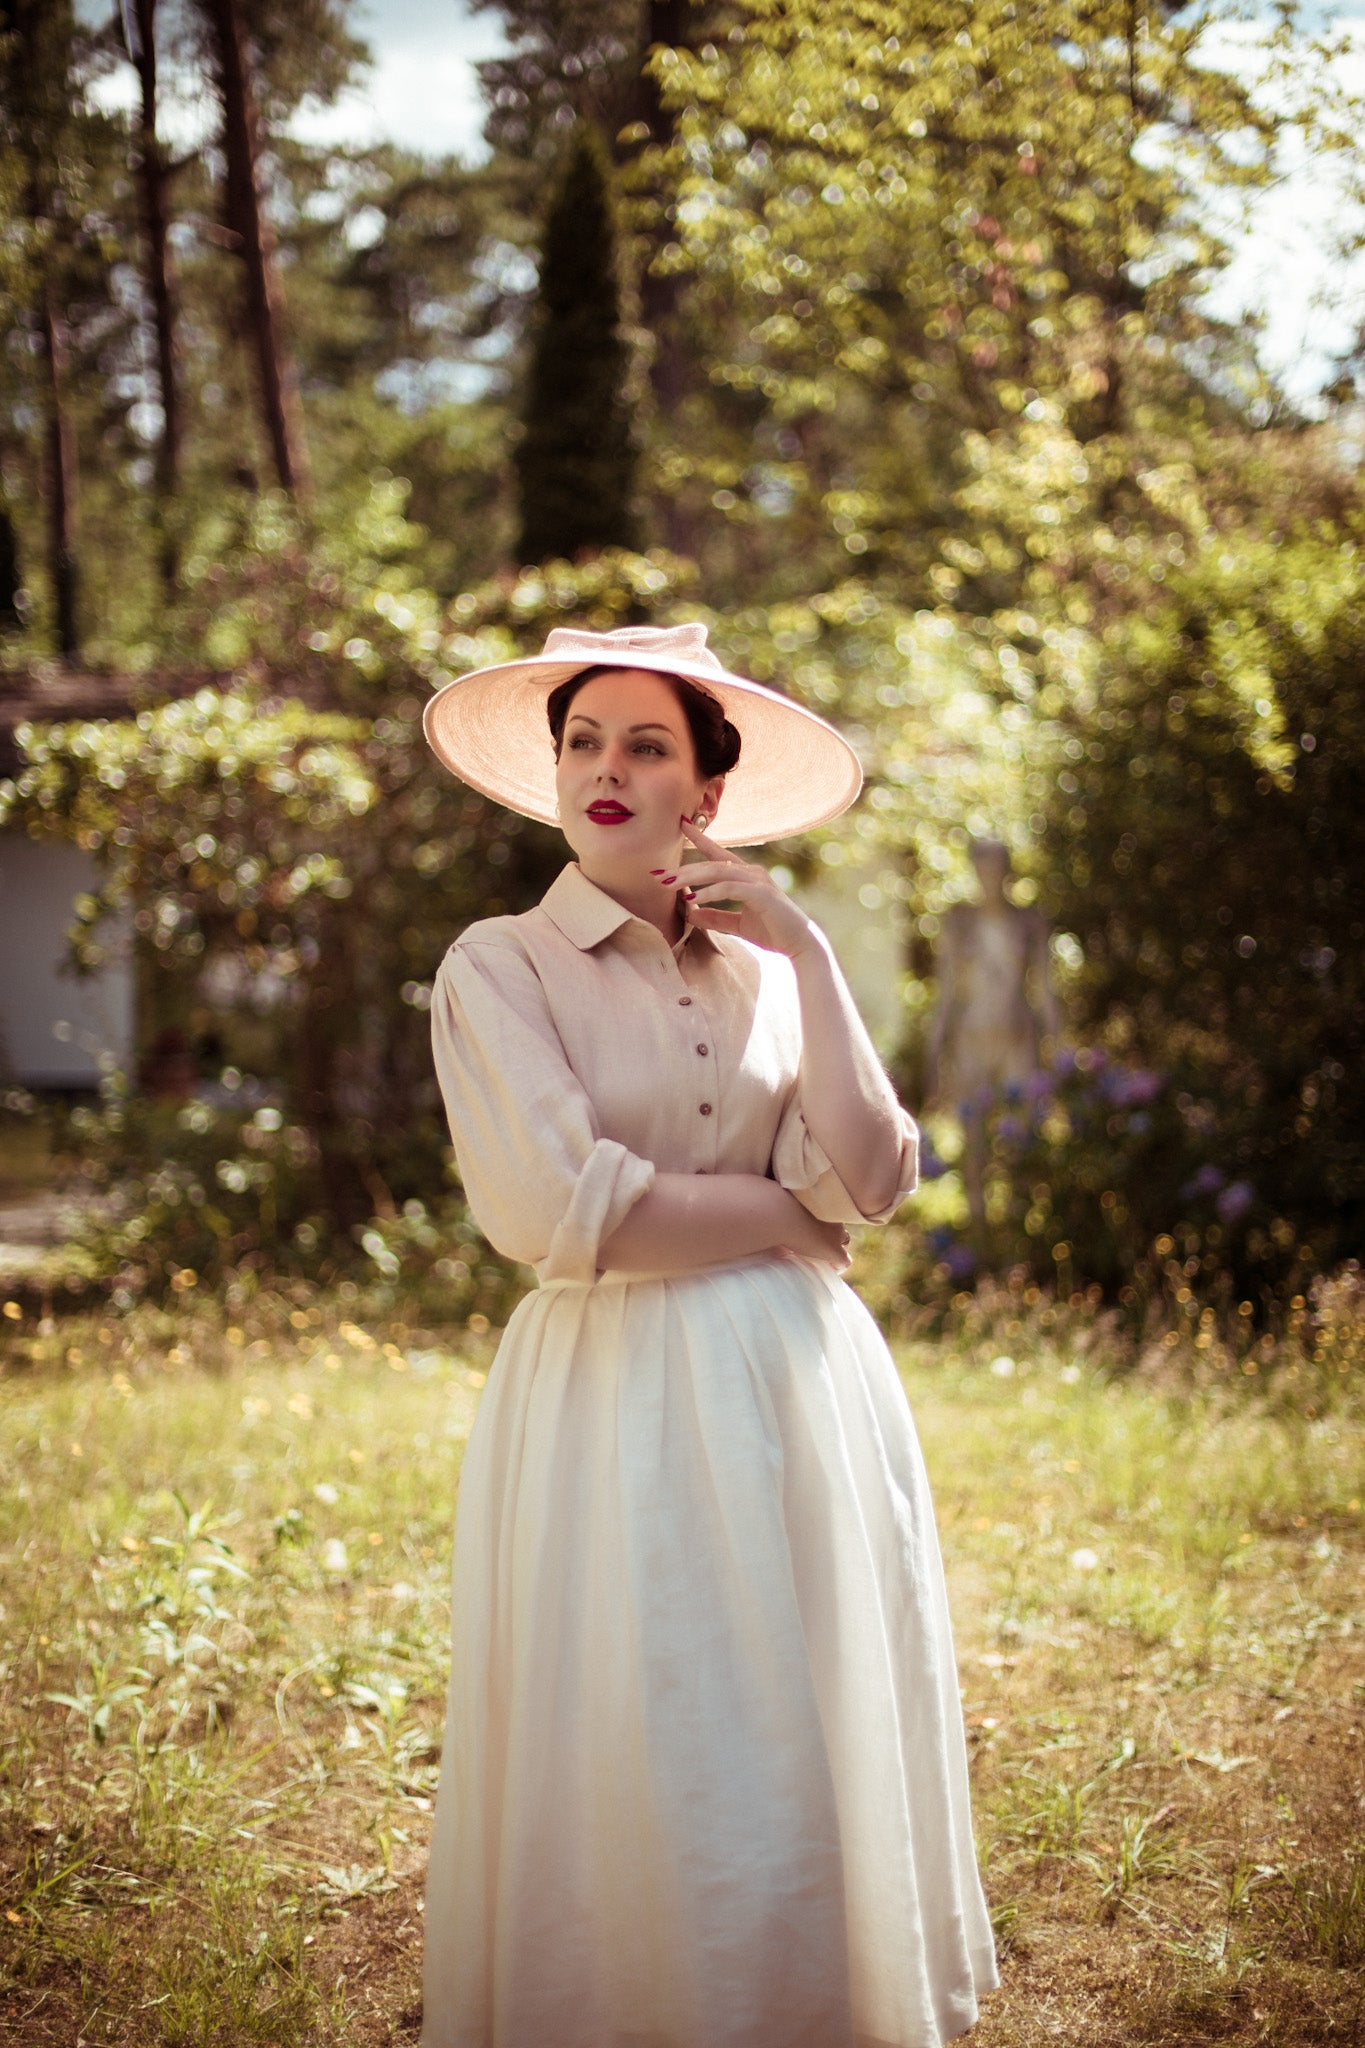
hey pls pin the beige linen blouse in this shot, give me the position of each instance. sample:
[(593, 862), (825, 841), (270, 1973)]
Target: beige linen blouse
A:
[(578, 1055)]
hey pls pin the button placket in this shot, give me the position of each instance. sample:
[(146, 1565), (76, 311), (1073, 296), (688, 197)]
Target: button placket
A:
[(699, 1048)]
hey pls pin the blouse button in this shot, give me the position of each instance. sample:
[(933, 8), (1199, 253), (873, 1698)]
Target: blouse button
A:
[(684, 1002), (706, 1109), (702, 1050)]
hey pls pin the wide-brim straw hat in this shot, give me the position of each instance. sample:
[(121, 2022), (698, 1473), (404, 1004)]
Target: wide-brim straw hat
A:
[(490, 728)]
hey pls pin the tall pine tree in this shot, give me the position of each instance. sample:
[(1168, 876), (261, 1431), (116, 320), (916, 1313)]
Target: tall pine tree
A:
[(576, 461)]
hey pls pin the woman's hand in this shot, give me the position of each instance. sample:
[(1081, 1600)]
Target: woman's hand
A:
[(809, 1238), (765, 916)]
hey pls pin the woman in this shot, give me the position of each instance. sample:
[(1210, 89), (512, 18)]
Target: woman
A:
[(704, 1779)]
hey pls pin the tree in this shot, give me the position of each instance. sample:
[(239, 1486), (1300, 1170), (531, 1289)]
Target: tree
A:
[(569, 61), (39, 89), (598, 64), (308, 849), (576, 461), (11, 577), (139, 35), (1204, 843), (904, 225), (249, 223)]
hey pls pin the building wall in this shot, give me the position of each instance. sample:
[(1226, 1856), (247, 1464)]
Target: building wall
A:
[(54, 1025)]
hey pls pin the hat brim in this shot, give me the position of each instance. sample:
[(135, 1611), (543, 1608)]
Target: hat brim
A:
[(795, 771)]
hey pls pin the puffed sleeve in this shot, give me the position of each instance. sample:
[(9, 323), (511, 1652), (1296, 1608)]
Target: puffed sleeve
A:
[(543, 1186), (803, 1167)]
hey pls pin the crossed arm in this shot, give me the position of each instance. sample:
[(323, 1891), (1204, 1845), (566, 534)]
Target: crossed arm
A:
[(687, 1220)]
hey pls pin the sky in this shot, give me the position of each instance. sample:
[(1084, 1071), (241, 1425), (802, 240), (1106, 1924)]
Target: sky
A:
[(423, 91)]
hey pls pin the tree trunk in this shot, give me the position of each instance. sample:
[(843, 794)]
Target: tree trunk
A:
[(11, 576), (152, 180), (246, 219), (662, 21), (61, 485)]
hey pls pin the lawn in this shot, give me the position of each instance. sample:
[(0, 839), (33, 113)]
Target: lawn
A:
[(223, 1613)]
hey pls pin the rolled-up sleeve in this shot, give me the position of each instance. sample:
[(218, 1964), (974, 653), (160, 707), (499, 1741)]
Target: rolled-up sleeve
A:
[(543, 1186), (802, 1166)]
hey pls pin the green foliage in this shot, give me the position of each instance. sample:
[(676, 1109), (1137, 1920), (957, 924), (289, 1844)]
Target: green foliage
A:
[(296, 867), (576, 459), (216, 1194), (566, 59), (904, 226), (1204, 845), (954, 452)]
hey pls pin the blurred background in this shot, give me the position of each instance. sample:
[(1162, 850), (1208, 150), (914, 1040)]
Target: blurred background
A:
[(994, 385), (990, 375)]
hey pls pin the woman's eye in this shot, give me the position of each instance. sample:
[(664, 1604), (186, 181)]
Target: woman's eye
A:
[(581, 739)]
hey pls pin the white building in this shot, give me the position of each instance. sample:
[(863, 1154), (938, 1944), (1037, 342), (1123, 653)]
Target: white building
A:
[(58, 1029)]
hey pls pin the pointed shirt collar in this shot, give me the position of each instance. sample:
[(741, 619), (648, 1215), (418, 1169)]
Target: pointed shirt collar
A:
[(586, 914)]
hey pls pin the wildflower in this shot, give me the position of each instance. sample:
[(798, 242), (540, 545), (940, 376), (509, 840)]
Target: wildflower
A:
[(1084, 1560), (931, 1166), (1234, 1201)]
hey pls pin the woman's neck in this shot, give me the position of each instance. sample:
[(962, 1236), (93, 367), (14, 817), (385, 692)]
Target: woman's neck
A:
[(643, 897)]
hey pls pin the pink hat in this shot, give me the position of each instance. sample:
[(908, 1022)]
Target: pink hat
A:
[(490, 728)]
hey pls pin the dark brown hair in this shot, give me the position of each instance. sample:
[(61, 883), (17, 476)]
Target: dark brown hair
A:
[(715, 742)]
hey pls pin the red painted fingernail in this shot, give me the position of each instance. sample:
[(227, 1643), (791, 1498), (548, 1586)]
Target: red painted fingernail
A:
[(669, 879), (656, 871)]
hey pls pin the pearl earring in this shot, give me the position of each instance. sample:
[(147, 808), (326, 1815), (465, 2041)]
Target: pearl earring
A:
[(701, 819)]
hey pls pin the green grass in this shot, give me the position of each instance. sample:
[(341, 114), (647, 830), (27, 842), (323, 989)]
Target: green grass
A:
[(223, 1627)]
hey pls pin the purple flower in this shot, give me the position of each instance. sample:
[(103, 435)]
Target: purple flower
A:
[(931, 1167), (961, 1262), (1236, 1198), (1207, 1181), (1040, 1085), (940, 1238), (1011, 1130), (1064, 1062), (1131, 1087)]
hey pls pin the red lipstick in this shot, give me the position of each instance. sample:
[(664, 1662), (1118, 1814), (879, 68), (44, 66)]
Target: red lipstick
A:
[(607, 812)]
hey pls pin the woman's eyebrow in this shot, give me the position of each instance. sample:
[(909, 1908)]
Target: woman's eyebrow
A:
[(650, 725)]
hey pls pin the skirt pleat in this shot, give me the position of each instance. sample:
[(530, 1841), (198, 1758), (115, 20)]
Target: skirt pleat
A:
[(704, 1779)]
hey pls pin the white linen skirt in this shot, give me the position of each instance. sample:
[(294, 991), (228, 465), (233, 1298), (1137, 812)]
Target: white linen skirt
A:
[(704, 1777)]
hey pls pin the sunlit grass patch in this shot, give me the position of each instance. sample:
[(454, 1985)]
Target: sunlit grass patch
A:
[(225, 1609), (1159, 1620), (225, 1588)]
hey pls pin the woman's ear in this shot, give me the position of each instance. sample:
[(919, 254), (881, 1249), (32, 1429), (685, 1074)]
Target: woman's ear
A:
[(709, 801)]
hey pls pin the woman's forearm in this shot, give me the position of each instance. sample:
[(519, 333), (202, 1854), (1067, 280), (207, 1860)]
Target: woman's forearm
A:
[(849, 1104), (690, 1220)]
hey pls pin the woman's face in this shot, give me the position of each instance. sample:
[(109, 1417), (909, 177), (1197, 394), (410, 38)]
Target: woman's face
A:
[(627, 771)]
